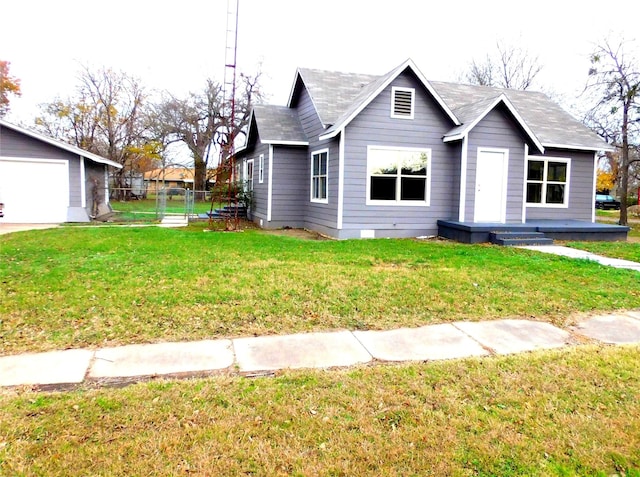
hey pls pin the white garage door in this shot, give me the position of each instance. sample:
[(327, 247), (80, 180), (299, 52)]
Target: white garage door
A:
[(34, 191)]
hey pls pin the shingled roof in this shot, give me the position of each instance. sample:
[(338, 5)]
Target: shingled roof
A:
[(338, 97)]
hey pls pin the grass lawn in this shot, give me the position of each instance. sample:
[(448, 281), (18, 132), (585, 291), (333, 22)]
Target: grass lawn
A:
[(76, 287), (629, 250), (567, 412), (144, 210)]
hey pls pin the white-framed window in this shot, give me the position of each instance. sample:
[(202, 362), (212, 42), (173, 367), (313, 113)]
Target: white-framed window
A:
[(319, 176), (261, 169), (398, 175), (402, 102), (548, 181), (248, 175)]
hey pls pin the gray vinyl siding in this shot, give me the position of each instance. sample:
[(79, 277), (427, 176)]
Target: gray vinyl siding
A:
[(290, 188), (374, 126), (497, 130), (16, 144), (319, 215), (581, 193)]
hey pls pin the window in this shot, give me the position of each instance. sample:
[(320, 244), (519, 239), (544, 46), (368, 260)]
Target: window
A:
[(402, 103), (248, 175), (398, 176), (548, 182), (261, 169), (319, 162)]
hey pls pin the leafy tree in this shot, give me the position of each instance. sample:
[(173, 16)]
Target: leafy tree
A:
[(614, 86), (9, 85), (198, 121), (509, 67), (106, 116), (604, 180)]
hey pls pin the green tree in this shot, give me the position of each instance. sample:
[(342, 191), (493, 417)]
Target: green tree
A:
[(9, 85)]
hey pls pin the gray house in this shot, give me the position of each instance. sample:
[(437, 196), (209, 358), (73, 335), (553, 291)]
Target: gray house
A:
[(43, 180), (361, 156)]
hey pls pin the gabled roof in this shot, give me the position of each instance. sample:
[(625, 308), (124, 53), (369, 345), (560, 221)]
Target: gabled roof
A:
[(339, 97), (331, 92), (471, 114), (551, 124), (278, 125), (61, 145), (372, 90)]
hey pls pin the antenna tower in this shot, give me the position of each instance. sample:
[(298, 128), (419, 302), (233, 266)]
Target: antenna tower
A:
[(226, 173)]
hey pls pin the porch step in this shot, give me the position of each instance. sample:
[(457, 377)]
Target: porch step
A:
[(228, 212), (519, 238), (174, 221)]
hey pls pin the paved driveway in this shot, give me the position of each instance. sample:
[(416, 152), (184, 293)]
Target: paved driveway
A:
[(8, 228)]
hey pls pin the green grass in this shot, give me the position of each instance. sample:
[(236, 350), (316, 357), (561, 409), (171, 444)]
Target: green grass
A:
[(622, 250), (92, 287), (145, 210), (568, 412)]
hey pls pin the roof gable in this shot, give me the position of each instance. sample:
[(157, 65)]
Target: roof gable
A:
[(61, 145), (372, 90), (275, 125), (552, 125), (471, 114)]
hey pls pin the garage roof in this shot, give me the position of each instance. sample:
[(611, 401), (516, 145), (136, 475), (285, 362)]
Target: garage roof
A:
[(62, 145)]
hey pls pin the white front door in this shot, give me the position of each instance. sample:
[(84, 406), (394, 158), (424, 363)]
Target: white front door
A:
[(491, 185)]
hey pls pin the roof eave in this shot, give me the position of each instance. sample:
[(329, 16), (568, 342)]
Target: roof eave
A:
[(62, 145), (280, 142), (605, 147)]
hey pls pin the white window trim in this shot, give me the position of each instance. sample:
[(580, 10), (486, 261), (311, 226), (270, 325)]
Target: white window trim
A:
[(398, 202), (546, 160), (393, 100), (246, 174), (311, 198), (261, 169)]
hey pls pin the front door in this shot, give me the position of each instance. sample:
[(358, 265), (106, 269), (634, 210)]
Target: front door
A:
[(491, 185)]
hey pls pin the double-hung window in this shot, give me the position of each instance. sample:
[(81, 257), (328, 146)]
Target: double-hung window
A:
[(319, 176), (548, 182), (398, 176)]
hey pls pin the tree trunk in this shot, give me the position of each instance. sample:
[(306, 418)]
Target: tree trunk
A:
[(199, 178), (624, 167)]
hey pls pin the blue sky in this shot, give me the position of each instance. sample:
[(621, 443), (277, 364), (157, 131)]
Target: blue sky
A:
[(176, 46)]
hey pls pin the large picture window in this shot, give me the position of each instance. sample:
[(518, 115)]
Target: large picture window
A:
[(548, 182), (319, 175), (398, 175)]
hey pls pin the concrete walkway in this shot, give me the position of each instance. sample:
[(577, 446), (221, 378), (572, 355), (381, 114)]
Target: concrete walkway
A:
[(264, 355), (575, 253)]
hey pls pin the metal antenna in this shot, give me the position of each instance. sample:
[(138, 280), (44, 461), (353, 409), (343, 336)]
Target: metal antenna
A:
[(226, 172)]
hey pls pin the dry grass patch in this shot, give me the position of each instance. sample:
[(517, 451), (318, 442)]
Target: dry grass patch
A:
[(567, 412)]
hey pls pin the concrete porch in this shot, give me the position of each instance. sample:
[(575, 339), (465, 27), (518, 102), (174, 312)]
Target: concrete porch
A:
[(469, 232)]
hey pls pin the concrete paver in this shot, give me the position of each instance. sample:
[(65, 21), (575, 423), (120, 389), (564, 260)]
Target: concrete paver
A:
[(308, 350), (6, 228), (54, 367), (515, 336), (613, 329), (162, 359), (432, 342)]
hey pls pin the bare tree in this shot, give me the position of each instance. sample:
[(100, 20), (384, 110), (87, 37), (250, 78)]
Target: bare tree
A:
[(198, 121), (614, 87), (510, 67), (106, 117)]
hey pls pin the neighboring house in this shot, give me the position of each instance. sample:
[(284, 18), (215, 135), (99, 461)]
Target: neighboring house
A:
[(357, 156), (169, 177), (43, 180)]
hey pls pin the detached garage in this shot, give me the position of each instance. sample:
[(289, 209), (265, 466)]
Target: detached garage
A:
[(43, 180)]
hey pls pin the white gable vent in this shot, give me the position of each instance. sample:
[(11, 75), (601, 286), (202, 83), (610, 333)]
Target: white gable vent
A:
[(402, 103)]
